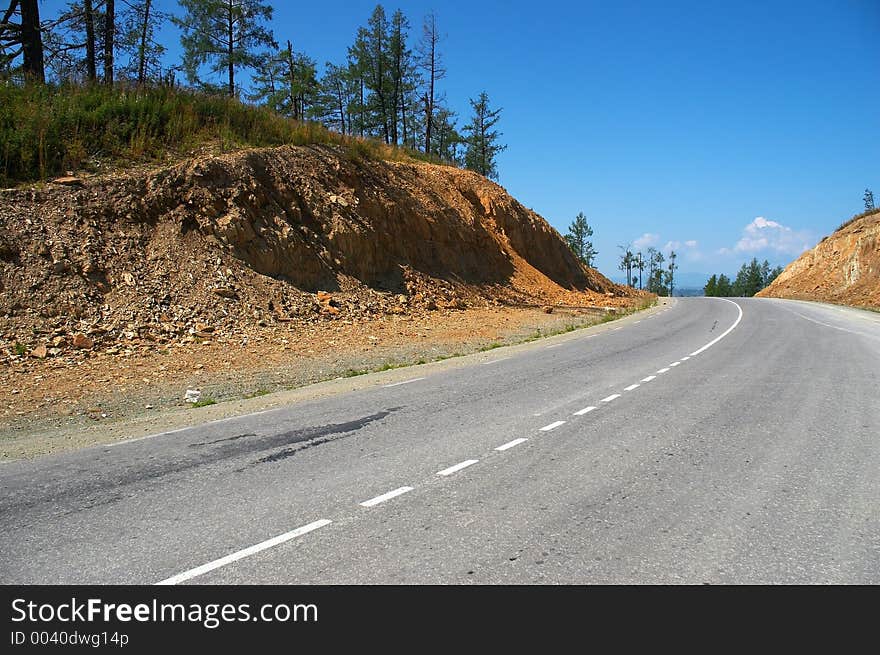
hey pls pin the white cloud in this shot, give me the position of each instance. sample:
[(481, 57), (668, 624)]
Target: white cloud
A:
[(681, 245), (646, 240), (761, 234)]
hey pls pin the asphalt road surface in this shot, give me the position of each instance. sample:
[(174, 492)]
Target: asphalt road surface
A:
[(709, 441)]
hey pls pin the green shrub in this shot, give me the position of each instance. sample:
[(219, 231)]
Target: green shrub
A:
[(48, 130)]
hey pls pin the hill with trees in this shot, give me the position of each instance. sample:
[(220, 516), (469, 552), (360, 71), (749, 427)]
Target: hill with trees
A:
[(89, 87), (751, 278)]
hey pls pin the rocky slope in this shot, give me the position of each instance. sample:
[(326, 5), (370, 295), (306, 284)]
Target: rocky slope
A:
[(224, 246), (843, 268)]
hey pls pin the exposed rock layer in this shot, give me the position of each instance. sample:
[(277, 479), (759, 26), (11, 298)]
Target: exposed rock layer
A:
[(247, 238), (843, 268)]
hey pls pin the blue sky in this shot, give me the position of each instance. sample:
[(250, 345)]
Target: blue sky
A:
[(724, 129)]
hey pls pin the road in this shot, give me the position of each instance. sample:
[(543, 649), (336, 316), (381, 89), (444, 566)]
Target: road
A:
[(708, 441)]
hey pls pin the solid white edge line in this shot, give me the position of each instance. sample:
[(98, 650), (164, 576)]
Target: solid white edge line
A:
[(386, 496), (631, 387), (649, 378), (397, 384), (728, 331), (585, 410), (245, 552), (613, 396), (458, 467), (552, 426), (511, 444)]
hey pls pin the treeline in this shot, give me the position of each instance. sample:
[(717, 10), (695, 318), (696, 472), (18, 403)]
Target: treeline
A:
[(386, 87), (652, 276), (750, 279), (660, 279)]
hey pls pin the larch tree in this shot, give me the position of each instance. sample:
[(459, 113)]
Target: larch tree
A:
[(670, 272), (22, 38), (224, 34), (430, 61), (711, 286), (578, 239), (370, 58), (481, 140), (109, 33), (137, 39)]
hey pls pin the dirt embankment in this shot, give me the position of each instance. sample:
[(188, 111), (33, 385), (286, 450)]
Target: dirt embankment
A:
[(843, 268), (296, 257)]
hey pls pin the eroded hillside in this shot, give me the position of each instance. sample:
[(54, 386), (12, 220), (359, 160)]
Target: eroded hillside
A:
[(247, 239), (256, 271), (843, 268)]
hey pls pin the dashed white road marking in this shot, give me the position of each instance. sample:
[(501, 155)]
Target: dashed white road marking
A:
[(495, 361), (616, 329), (631, 387), (684, 359), (585, 410), (397, 384), (511, 444), (552, 426), (245, 552), (674, 364), (458, 467), (649, 378), (554, 345), (662, 370), (636, 322), (386, 496), (610, 398)]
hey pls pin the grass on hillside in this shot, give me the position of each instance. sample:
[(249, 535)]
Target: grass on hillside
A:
[(48, 130), (857, 217)]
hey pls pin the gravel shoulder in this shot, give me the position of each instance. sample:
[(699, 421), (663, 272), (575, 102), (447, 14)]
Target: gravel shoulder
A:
[(51, 408)]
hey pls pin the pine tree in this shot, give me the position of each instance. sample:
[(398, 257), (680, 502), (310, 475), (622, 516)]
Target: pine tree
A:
[(482, 140), (640, 266), (741, 282), (579, 233), (445, 138), (430, 61), (724, 288), (137, 39), (225, 35), (24, 39), (109, 32), (670, 272), (711, 288), (337, 98), (370, 57), (656, 277), (627, 260)]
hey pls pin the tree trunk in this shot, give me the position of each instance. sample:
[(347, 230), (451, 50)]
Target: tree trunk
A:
[(230, 52), (341, 107), (91, 66), (109, 33), (430, 117), (142, 49), (291, 80), (32, 42)]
